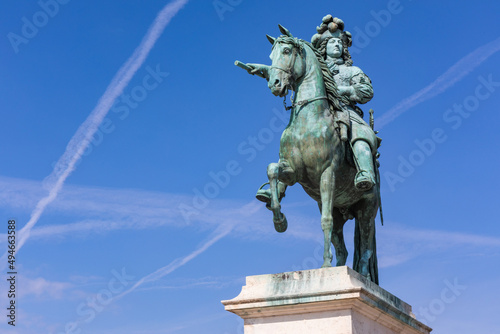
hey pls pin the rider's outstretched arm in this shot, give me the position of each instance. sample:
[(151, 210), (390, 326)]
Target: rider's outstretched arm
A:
[(258, 69)]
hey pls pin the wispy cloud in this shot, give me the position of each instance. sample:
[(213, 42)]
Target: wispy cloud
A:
[(208, 282), (40, 287), (45, 289), (171, 328), (95, 210), (400, 243), (81, 139), (218, 234), (221, 232), (453, 75), (105, 210)]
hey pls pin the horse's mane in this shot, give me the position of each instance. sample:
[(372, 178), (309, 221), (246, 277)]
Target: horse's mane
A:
[(335, 101)]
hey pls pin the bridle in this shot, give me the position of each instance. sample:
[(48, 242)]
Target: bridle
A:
[(290, 72), (292, 61)]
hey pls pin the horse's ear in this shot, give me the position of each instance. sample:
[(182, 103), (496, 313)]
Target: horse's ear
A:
[(285, 31), (271, 39)]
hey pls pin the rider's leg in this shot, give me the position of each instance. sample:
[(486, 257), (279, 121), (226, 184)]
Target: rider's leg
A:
[(365, 178)]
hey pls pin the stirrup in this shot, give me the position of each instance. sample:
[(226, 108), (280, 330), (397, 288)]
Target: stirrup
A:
[(264, 195)]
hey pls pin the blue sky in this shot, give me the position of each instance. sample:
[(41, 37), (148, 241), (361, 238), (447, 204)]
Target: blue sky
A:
[(159, 213)]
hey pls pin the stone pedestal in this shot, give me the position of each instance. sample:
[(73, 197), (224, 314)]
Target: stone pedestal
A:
[(331, 300)]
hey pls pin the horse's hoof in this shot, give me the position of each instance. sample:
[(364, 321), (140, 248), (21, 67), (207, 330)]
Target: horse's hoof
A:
[(281, 225), (364, 271), (326, 265)]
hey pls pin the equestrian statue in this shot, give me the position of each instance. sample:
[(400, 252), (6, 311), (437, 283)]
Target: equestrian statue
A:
[(327, 147)]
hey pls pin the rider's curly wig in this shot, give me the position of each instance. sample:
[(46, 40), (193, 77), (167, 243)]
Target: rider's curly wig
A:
[(345, 53)]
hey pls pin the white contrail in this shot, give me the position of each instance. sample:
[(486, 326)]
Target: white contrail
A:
[(454, 74), (179, 262), (81, 139)]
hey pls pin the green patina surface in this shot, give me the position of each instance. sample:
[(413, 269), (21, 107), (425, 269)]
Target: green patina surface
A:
[(327, 147)]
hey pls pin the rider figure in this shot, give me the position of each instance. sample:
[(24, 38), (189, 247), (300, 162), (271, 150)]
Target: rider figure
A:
[(355, 87)]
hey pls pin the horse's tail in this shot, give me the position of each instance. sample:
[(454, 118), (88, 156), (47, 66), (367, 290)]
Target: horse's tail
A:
[(372, 263)]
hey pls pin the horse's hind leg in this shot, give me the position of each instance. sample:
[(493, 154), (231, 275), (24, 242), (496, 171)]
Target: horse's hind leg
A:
[(365, 257), (327, 187), (338, 237), (280, 223)]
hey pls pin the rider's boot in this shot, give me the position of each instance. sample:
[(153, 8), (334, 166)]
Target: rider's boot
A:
[(264, 195), (365, 178)]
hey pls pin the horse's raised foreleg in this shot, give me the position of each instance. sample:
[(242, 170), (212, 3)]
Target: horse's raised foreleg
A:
[(327, 188), (279, 219)]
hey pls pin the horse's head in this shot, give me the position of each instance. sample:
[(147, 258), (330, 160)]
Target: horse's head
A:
[(288, 63)]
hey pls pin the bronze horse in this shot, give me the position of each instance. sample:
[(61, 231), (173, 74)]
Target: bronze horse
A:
[(313, 154)]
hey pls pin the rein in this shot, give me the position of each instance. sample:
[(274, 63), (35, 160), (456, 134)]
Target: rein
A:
[(292, 61), (290, 72), (303, 102)]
